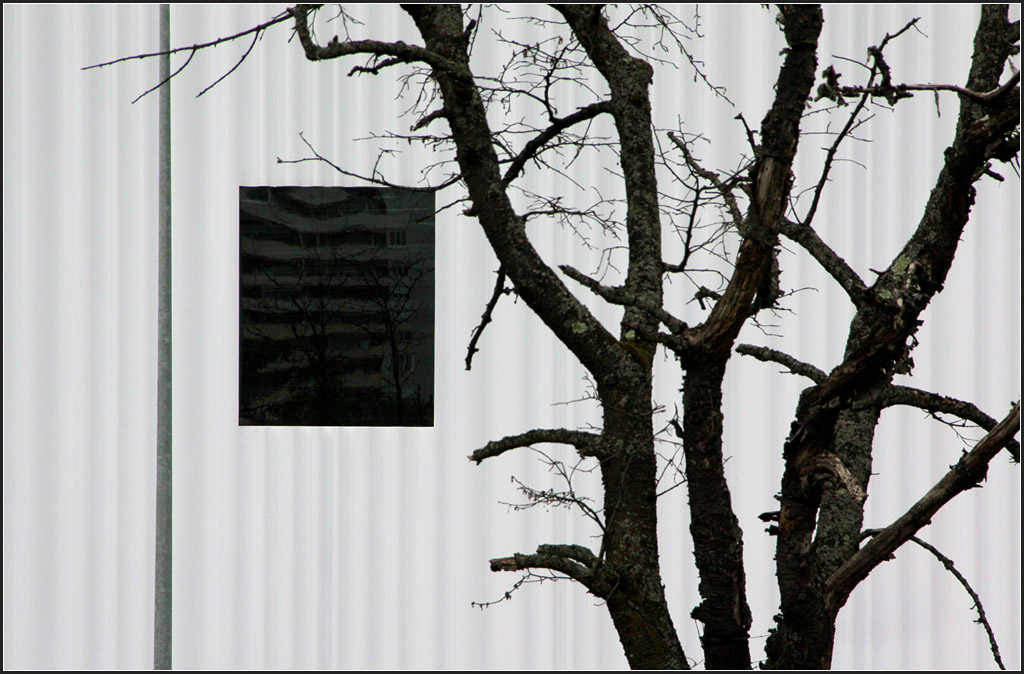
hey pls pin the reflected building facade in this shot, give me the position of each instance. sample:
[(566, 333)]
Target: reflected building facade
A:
[(336, 306)]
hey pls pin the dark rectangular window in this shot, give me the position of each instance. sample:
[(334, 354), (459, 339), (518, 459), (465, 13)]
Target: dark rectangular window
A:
[(336, 307)]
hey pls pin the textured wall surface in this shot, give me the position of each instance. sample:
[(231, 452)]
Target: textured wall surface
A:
[(360, 547)]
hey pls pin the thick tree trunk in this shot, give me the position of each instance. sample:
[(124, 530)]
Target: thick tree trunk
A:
[(636, 596), (717, 537)]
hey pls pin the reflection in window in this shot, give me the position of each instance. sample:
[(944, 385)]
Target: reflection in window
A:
[(336, 289)]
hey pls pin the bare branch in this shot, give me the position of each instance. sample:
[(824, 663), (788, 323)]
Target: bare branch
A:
[(891, 396), (910, 24), (614, 294), (878, 340), (723, 189), (668, 22), (629, 80), (588, 444), (691, 222), (619, 295), (283, 16), (376, 67), (691, 207), (557, 126), (537, 284), (575, 561), (427, 119), (550, 498), (220, 79), (832, 90), (567, 498), (499, 290), (400, 51), (370, 179), (165, 80), (829, 260), (750, 133), (948, 563), (899, 90), (966, 474), (579, 553), (771, 178), (935, 403), (528, 577), (763, 353), (823, 90)]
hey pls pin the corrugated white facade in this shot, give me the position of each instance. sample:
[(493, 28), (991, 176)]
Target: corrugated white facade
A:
[(352, 547)]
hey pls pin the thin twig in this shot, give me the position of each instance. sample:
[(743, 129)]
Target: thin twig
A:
[(936, 403), (948, 563), (370, 179), (166, 79), (255, 39), (723, 189), (831, 153), (499, 290), (284, 16), (981, 97)]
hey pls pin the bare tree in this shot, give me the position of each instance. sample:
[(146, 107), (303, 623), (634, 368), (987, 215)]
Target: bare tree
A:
[(822, 550)]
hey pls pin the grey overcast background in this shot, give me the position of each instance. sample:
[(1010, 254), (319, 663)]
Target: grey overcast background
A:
[(350, 547)]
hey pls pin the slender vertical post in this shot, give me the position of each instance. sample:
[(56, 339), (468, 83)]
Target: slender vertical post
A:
[(162, 621)]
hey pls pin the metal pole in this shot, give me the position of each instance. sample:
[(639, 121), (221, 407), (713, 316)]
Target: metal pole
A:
[(162, 617)]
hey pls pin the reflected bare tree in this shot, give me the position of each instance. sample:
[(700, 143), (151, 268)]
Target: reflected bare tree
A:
[(333, 324)]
